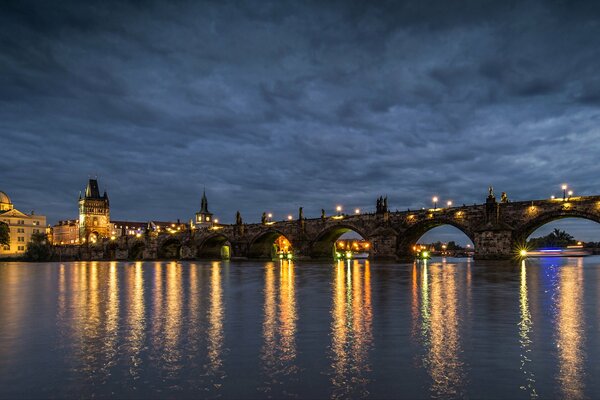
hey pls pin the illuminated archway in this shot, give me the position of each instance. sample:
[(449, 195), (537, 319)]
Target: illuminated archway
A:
[(216, 247), (93, 237), (270, 245), (338, 240)]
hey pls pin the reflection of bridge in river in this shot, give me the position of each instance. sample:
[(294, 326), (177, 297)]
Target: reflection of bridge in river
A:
[(496, 229)]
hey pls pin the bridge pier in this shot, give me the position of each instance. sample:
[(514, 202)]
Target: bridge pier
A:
[(384, 247), (495, 244)]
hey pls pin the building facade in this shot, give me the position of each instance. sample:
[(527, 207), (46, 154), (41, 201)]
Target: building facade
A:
[(21, 226), (66, 232), (94, 214)]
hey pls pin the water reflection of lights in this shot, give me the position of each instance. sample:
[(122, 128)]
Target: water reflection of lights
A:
[(215, 334), (136, 321), (525, 328), (173, 312), (441, 328), (570, 331), (278, 354), (351, 328)]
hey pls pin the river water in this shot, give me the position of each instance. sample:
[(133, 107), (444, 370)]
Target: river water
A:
[(444, 328)]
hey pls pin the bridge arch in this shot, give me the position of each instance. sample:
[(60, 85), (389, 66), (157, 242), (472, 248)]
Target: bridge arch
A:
[(414, 232), (323, 244), (214, 247), (170, 249), (523, 231), (264, 245), (136, 250)]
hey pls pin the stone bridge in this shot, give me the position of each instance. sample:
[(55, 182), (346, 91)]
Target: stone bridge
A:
[(497, 229)]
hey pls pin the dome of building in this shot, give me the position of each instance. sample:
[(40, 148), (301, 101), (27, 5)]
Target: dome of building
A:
[(4, 199)]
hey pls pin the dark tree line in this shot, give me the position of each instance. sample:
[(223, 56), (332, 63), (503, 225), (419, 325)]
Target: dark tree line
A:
[(556, 238), (4, 234)]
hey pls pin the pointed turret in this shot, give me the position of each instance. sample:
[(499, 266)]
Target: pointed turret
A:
[(204, 203)]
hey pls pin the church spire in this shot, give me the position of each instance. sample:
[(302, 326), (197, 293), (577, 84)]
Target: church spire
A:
[(204, 203)]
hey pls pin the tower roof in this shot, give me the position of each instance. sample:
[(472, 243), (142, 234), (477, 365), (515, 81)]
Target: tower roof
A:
[(92, 191), (204, 204)]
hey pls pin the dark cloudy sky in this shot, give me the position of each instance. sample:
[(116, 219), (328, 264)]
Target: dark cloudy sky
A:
[(276, 105)]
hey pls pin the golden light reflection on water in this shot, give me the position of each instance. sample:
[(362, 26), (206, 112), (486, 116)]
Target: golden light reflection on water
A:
[(279, 326), (525, 331), (215, 334), (441, 329), (351, 329), (136, 320), (570, 331), (173, 316)]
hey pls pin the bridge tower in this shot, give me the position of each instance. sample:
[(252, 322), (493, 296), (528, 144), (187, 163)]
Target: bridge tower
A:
[(204, 217), (94, 214)]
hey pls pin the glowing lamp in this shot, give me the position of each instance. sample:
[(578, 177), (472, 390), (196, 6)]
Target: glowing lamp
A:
[(523, 253)]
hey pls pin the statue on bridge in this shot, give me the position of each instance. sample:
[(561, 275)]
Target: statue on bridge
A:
[(503, 198), (300, 214), (323, 213), (263, 218), (238, 218), (382, 205), (491, 193)]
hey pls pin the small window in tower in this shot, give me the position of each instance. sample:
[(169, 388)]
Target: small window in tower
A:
[(207, 219)]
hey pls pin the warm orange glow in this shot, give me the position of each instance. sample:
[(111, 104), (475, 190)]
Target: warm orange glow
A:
[(283, 244)]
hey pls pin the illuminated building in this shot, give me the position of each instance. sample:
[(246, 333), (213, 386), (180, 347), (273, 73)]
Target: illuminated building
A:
[(65, 232), (94, 214), (203, 217), (21, 226)]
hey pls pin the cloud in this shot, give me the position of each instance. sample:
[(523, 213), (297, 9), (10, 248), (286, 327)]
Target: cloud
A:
[(276, 105)]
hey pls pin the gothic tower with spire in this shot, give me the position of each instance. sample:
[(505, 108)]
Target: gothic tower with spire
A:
[(204, 217), (94, 214)]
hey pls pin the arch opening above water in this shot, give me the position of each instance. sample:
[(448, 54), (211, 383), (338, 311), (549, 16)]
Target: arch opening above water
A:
[(564, 232), (270, 245), (440, 240), (170, 249), (217, 247), (341, 241)]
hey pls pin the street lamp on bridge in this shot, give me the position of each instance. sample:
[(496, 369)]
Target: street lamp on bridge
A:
[(564, 189), (449, 203), (435, 200)]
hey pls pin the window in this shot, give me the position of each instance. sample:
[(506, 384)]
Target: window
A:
[(20, 239), (6, 247), (20, 230), (21, 248), (36, 231), (21, 222), (36, 223)]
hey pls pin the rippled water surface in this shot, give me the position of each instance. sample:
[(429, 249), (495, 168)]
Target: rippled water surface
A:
[(444, 329)]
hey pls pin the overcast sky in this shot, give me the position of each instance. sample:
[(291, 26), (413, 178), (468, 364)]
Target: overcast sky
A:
[(276, 105)]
